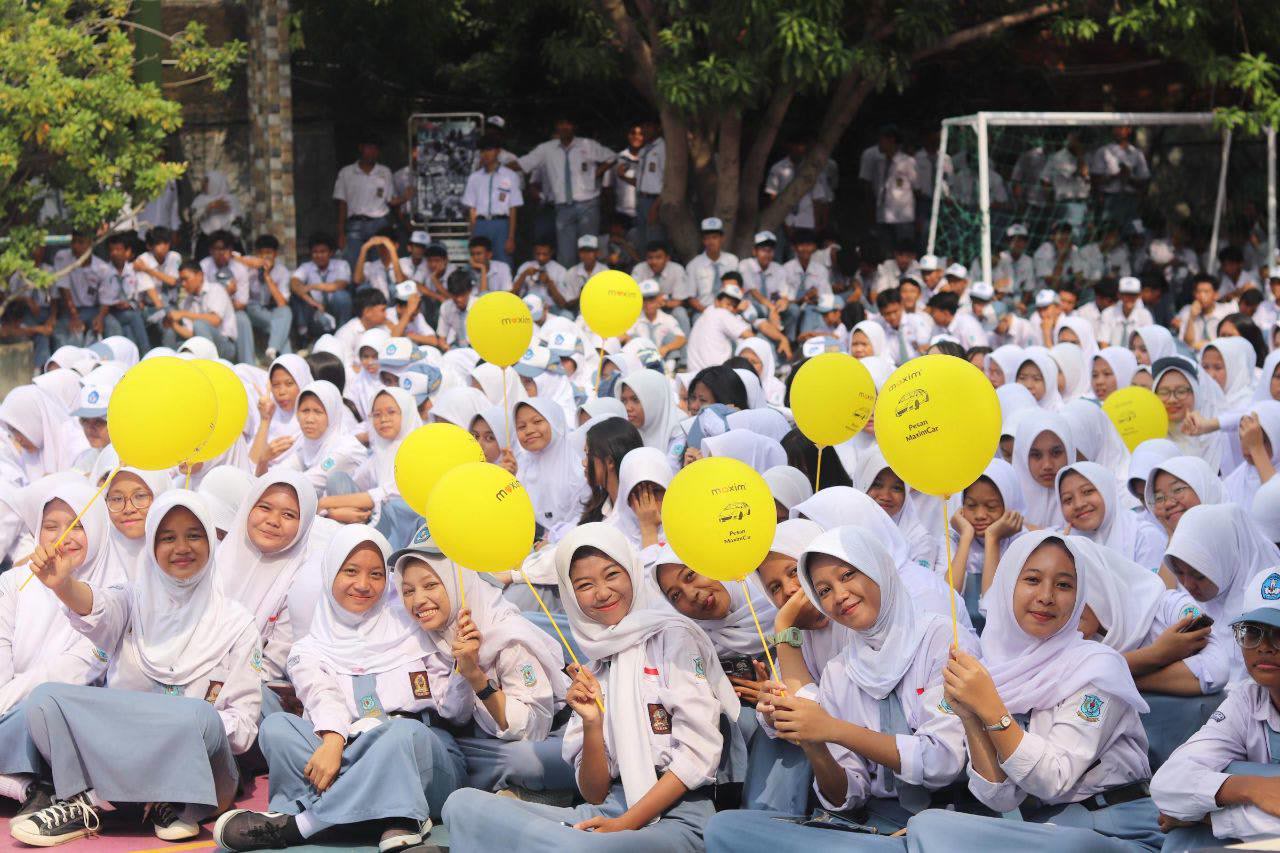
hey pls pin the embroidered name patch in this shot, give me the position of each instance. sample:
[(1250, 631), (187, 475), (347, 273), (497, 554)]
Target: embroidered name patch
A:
[(211, 695), (945, 707), (659, 719), (101, 655), (1190, 610), (699, 669), (1091, 708), (526, 672), (421, 687)]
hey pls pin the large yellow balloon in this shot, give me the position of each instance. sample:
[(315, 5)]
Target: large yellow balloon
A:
[(481, 517), (938, 423), (162, 412), (499, 327), (1138, 415), (831, 398), (719, 517), (426, 455), (611, 303), (233, 408)]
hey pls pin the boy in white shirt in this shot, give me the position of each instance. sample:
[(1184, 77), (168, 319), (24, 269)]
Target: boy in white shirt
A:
[(670, 276), (657, 325), (156, 270), (1235, 279), (452, 328), (822, 320), (77, 288), (1108, 257), (704, 271), (577, 277), (1197, 323), (1121, 320), (1014, 273), (378, 264), (493, 198), (543, 276), (320, 290), (891, 270), (118, 312), (719, 329), (807, 280), (944, 308), (268, 306), (1057, 261), (204, 310), (486, 273), (765, 283)]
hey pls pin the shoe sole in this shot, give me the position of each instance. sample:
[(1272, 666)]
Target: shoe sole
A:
[(221, 823), (35, 840), (175, 833)]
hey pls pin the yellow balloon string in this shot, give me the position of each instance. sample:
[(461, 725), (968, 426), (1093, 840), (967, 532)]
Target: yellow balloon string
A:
[(506, 410), (599, 369), (763, 642), (568, 648), (462, 596), (946, 534), (817, 477), (188, 485), (76, 520)]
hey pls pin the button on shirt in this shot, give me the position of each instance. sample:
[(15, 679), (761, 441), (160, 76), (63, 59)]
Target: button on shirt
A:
[(894, 182), (571, 171), (212, 299), (781, 174), (234, 277), (366, 193), (493, 193), (83, 281), (704, 275)]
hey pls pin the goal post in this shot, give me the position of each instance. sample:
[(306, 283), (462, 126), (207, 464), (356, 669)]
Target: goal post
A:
[(1201, 176)]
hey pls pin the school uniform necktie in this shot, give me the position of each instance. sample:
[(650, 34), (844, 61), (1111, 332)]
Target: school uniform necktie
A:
[(490, 195), (568, 179), (902, 346), (715, 276)]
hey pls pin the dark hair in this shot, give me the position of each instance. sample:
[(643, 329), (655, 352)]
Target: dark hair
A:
[(948, 348), (1251, 333), (1153, 281), (804, 235), (888, 297), (852, 314), (159, 234), (117, 239), (367, 297), (657, 246), (802, 454), (609, 441), (481, 241), (972, 351), (983, 478), (190, 266), (266, 241), (903, 247), (488, 142), (731, 275), (1251, 297), (1204, 278), (945, 301), (1068, 287), (459, 282), (226, 238), (1107, 288), (435, 250), (544, 240), (911, 281), (321, 239), (739, 363), (723, 385), (326, 365), (1231, 253)]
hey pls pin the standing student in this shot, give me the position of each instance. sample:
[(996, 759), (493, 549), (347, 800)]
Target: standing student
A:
[(1051, 720), (182, 696), (492, 197), (364, 674), (645, 765)]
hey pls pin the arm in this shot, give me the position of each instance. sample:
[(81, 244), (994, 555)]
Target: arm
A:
[(358, 275), (594, 778), (239, 702), (300, 290), (342, 224), (961, 557)]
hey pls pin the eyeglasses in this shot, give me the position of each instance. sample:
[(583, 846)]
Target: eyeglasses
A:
[(1175, 494), (1180, 393), (1250, 635), (139, 500)]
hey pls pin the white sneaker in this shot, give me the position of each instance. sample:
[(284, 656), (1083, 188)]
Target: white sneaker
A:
[(170, 822), (59, 823), (270, 354)]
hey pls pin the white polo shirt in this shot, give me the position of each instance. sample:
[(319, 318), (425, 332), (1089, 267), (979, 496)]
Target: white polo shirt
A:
[(650, 166), (894, 182), (781, 174), (83, 281), (493, 193), (703, 275), (580, 159), (212, 299), (712, 338), (1106, 162), (310, 274), (234, 273), (169, 267), (366, 193)]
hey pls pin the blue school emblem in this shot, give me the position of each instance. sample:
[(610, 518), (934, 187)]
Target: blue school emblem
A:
[(1217, 716), (406, 384), (527, 673), (945, 707), (559, 339), (93, 397), (327, 464), (391, 349), (172, 690), (1091, 708), (370, 706), (101, 655), (1271, 587), (422, 535), (255, 660), (699, 669), (1190, 610)]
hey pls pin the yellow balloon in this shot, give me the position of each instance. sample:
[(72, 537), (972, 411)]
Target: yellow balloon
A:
[(481, 517), (162, 411), (938, 423), (499, 327), (831, 398), (1138, 415), (611, 303), (233, 408), (719, 517), (426, 455)]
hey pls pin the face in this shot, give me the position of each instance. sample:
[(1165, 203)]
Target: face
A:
[(267, 255), (488, 157), (221, 253), (635, 138), (479, 255), (1275, 384), (754, 360), (192, 281), (460, 300), (283, 389), (1142, 379), (1172, 497), (860, 345), (764, 255), (320, 255), (386, 417), (312, 418), (482, 432), (1068, 336), (1197, 585), (712, 243), (994, 372), (374, 315), (1205, 294), (1214, 365), (274, 520), (1082, 503), (564, 130), (57, 515), (128, 500), (369, 360), (1030, 377), (699, 396), (691, 594), (1263, 661), (425, 599), (602, 588), (1047, 456), (846, 594), (1045, 592), (542, 254), (368, 152), (361, 580), (1177, 395), (892, 314), (118, 254), (532, 429), (910, 296), (982, 505), (780, 577), (635, 411), (95, 430), (1103, 379), (182, 544), (1128, 301), (888, 490), (1067, 302), (1139, 348)]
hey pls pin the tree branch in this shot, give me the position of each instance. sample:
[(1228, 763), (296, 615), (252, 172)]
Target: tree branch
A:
[(756, 162), (642, 73), (971, 34)]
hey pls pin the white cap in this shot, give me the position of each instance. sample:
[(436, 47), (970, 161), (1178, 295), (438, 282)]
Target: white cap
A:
[(765, 237), (199, 348), (536, 306), (957, 271), (1160, 252), (93, 402), (563, 344), (929, 263), (1129, 284), (534, 362), (982, 290), (588, 241), (1046, 297), (496, 121), (817, 346), (1261, 599), (417, 384), (649, 288), (396, 352), (826, 302), (1017, 229), (711, 223), (1136, 227), (730, 290), (420, 238)]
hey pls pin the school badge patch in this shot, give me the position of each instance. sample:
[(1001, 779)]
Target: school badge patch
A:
[(421, 687), (1091, 708), (1190, 610), (1271, 587), (255, 660), (211, 695), (1217, 716), (659, 720), (101, 654), (422, 535), (172, 690), (327, 464), (526, 672), (370, 707), (945, 707), (699, 669)]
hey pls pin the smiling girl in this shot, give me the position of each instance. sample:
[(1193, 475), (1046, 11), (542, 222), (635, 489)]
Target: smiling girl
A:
[(990, 516), (278, 427), (547, 462), (1042, 446), (1091, 505), (1175, 486), (128, 500), (1182, 391), (1038, 373)]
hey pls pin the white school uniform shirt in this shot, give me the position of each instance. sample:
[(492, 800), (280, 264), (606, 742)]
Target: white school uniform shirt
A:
[(1027, 171), (234, 277), (966, 329), (212, 299), (1117, 328), (234, 686), (901, 343), (682, 712), (493, 193), (888, 274), (381, 277), (925, 175), (417, 324), (366, 193), (1247, 279), (704, 275), (1066, 755), (1021, 271), (577, 277), (452, 324), (713, 337), (1096, 263), (169, 267), (799, 279), (650, 166), (83, 281), (347, 336), (672, 281), (310, 274), (120, 285), (582, 155), (1062, 172), (260, 293), (894, 182), (344, 455), (331, 705), (780, 176), (771, 281), (1211, 665), (1186, 785), (1047, 256), (1206, 324), (662, 328), (1090, 313), (498, 278), (418, 272), (624, 194), (1105, 165), (533, 284)]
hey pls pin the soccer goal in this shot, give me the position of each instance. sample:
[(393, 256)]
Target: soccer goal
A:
[(1039, 169)]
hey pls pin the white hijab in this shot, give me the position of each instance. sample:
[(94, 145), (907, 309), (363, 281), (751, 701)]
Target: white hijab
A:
[(1242, 484), (364, 386), (182, 629), (1262, 390), (758, 451), (1240, 360), (1095, 436), (122, 350), (875, 336), (1030, 673), (661, 416), (1119, 527), (1265, 511), (489, 378), (922, 538), (736, 632), (312, 451), (1084, 331), (1222, 543), (130, 554), (43, 421), (1123, 595), (1073, 365), (286, 423), (458, 406), (1158, 340), (1008, 358), (1122, 362), (767, 422), (1193, 471), (1207, 401), (1043, 507), (553, 475), (1005, 479), (259, 581), (755, 391), (223, 490), (621, 646), (1043, 359), (789, 485), (775, 390), (383, 450), (641, 465), (1149, 454)]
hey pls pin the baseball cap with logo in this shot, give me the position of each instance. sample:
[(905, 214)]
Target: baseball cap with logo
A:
[(563, 345), (421, 380), (730, 290), (826, 302), (1129, 284), (649, 289), (534, 362), (817, 346), (765, 238), (396, 352), (982, 290), (496, 121), (957, 271), (710, 224), (588, 241), (1046, 297), (929, 263), (536, 307), (92, 402), (420, 238), (1262, 599), (1017, 229)]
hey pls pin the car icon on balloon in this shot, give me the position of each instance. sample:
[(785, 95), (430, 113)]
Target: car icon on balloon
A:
[(734, 512), (911, 401)]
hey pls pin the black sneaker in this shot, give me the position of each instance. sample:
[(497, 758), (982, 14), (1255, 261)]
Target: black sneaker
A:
[(169, 823), (58, 823), (39, 796), (242, 829)]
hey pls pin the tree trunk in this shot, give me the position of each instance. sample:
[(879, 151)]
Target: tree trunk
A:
[(728, 173), (754, 166), (674, 210)]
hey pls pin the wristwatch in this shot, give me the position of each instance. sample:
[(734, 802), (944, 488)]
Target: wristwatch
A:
[(489, 689), (1004, 723), (790, 637)]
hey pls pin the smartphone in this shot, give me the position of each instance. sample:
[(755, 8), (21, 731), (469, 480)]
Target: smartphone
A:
[(1204, 620)]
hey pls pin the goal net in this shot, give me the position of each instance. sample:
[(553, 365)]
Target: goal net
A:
[(1177, 172)]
